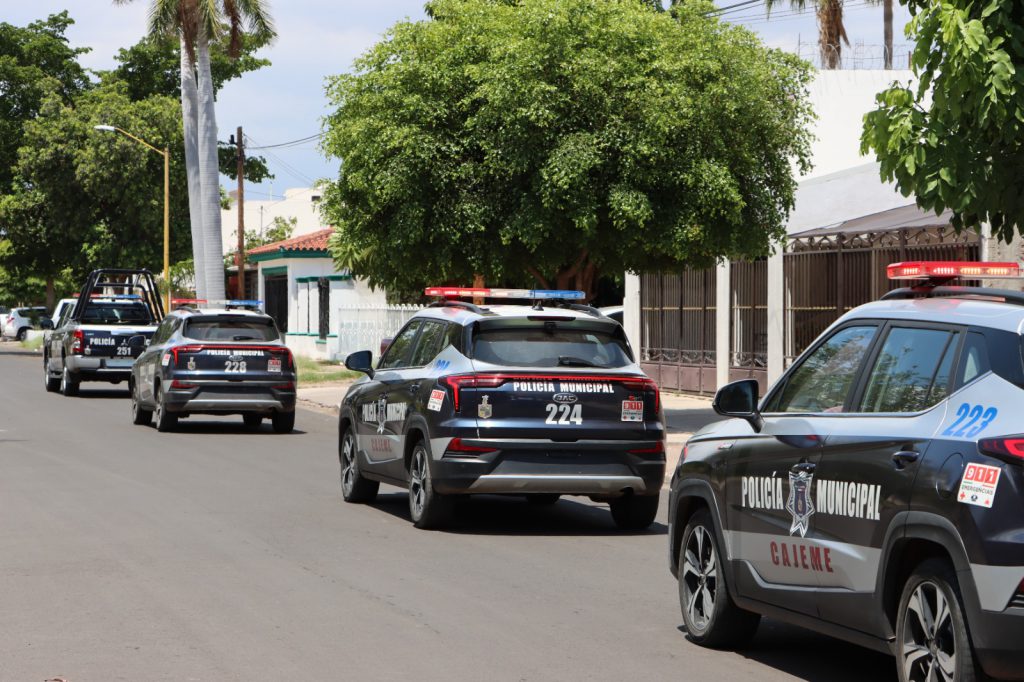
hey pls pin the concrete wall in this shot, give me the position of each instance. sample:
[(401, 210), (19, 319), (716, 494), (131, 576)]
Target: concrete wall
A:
[(303, 303), (300, 203)]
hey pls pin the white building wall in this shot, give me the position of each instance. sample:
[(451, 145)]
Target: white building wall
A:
[(304, 302), (301, 203)]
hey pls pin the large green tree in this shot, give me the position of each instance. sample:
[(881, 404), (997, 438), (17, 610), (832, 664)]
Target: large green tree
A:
[(545, 141), (83, 198), (34, 60), (955, 139)]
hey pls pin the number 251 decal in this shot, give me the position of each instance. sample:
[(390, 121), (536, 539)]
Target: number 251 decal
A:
[(970, 420)]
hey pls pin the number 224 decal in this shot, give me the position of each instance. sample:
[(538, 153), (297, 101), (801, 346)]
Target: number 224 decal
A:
[(967, 424), (564, 414)]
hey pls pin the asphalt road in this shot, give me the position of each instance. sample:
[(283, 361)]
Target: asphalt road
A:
[(218, 554)]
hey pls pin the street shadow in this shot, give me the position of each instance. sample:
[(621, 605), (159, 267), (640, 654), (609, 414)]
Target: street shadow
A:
[(22, 352), (690, 420), (115, 393), (229, 426), (808, 655), (513, 515)]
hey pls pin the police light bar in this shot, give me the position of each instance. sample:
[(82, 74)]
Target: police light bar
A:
[(179, 302), (953, 269), (532, 294), (122, 297)]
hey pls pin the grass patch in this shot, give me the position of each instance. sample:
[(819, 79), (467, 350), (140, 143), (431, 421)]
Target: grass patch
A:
[(32, 344), (313, 372)]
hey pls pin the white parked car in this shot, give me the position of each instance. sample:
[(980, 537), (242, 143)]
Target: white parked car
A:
[(20, 320)]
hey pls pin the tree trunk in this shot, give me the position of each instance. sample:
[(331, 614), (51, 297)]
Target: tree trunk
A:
[(580, 276), (190, 125), (831, 33), (50, 298), (887, 18), (209, 175)]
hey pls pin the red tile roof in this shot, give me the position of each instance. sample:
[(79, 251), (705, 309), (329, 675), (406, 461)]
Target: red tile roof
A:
[(314, 241)]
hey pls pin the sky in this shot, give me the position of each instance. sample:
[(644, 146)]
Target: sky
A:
[(317, 38)]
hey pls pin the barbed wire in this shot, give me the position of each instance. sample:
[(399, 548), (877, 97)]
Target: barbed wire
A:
[(859, 56)]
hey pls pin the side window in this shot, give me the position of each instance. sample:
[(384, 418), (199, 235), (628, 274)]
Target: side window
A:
[(974, 360), (822, 382), (397, 354), (163, 332), (432, 339), (911, 372)]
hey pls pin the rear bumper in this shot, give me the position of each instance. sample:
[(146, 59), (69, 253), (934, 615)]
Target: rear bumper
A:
[(230, 398), (598, 468), (997, 637), (99, 369)]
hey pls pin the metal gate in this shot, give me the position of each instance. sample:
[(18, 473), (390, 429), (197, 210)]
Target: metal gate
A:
[(324, 309), (275, 289), (748, 322), (677, 319)]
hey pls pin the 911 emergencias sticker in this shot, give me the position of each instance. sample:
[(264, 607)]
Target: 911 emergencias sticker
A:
[(978, 485), (436, 400), (632, 410), (274, 365)]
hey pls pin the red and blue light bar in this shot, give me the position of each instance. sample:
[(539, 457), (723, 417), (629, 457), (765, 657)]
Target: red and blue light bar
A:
[(919, 270), (532, 294)]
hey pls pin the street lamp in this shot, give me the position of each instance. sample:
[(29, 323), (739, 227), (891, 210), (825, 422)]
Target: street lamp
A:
[(167, 202)]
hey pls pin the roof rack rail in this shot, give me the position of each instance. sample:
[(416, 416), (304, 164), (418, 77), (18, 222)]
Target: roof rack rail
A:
[(578, 307), (452, 303), (927, 291)]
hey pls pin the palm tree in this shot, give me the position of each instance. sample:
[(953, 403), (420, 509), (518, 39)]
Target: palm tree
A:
[(195, 23), (831, 31)]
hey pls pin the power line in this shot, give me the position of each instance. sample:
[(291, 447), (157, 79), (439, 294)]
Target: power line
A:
[(302, 140), (745, 3)]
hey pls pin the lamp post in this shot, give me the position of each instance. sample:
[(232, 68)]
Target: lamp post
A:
[(167, 204)]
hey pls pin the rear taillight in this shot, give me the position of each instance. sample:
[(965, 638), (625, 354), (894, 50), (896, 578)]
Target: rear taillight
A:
[(458, 448), (193, 348), (656, 449), (177, 383), (286, 354), (646, 385), (78, 342), (456, 382), (1006, 447), (289, 386)]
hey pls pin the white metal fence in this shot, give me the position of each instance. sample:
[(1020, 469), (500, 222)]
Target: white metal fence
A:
[(363, 327)]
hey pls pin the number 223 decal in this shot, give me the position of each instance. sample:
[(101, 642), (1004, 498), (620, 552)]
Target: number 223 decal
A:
[(970, 420)]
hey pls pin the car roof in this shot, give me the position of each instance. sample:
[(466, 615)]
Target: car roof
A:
[(465, 315), (993, 314), (213, 312)]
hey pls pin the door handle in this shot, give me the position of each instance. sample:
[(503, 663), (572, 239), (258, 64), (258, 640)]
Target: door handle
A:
[(414, 388), (904, 457), (803, 468)]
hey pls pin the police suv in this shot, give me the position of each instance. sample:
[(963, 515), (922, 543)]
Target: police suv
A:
[(537, 401), (876, 493), (221, 360)]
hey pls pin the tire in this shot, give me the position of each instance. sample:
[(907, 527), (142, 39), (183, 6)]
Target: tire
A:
[(427, 507), (68, 383), (51, 382), (710, 616), (22, 333), (252, 420), (140, 415), (165, 421), (932, 593), (283, 422), (354, 488), (634, 512), (543, 499)]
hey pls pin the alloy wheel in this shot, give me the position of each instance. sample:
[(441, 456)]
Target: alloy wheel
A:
[(929, 639), (417, 481), (700, 577), (348, 464)]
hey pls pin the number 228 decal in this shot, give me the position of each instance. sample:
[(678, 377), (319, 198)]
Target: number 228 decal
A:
[(970, 420)]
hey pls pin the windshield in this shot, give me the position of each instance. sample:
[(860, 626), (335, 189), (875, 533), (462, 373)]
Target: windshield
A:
[(231, 329), (556, 347), (116, 313)]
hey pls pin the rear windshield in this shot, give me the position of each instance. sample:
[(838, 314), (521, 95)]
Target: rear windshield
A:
[(116, 313), (30, 312), (231, 329), (559, 347)]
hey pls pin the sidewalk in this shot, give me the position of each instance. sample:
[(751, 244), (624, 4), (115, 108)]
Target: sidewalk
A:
[(684, 414)]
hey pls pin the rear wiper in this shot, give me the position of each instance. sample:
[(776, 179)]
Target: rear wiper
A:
[(569, 361), (243, 338)]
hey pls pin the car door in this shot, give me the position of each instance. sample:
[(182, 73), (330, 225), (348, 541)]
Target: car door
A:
[(870, 459), (147, 366), (382, 406), (770, 474)]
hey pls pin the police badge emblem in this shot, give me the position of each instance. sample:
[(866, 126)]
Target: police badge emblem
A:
[(382, 413), (484, 411), (191, 364), (799, 503)]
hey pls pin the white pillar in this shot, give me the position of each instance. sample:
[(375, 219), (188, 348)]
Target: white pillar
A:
[(723, 310), (631, 313), (776, 315)]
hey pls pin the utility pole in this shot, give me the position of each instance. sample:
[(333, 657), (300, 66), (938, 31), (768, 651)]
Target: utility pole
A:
[(240, 258)]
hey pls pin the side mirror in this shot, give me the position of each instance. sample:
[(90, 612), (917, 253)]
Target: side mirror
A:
[(46, 324), (360, 361), (739, 399), (385, 343), (137, 341)]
